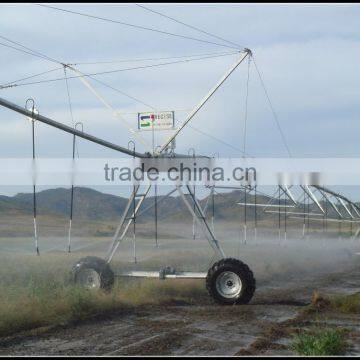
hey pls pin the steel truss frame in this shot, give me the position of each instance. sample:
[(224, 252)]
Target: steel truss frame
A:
[(136, 199), (351, 209), (129, 217), (126, 218)]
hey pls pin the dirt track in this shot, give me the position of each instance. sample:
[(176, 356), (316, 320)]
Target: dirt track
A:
[(262, 327)]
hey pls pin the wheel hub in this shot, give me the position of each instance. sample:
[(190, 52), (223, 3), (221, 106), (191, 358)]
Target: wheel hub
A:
[(89, 278), (229, 284)]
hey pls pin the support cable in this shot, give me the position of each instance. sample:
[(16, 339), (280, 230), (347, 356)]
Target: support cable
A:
[(38, 54), (82, 75), (217, 139), (28, 50), (119, 70), (30, 77), (272, 109), (136, 26), (107, 105), (189, 26), (141, 59)]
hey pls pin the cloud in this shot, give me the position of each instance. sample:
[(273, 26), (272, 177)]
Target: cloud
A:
[(307, 54)]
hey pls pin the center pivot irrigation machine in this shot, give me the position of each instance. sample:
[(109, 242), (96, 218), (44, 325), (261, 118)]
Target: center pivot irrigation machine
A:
[(229, 280)]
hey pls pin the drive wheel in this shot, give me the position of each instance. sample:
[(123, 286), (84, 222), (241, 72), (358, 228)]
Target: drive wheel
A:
[(230, 281), (93, 273)]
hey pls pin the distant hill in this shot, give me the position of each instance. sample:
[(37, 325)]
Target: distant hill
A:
[(90, 204), (94, 205)]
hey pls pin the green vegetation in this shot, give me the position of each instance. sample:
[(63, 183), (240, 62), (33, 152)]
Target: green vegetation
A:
[(349, 304), (49, 306), (320, 342), (54, 304), (37, 292)]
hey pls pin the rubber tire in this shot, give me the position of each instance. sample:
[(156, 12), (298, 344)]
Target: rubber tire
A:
[(107, 276), (239, 268)]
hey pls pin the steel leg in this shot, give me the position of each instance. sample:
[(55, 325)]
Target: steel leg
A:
[(117, 239), (201, 220)]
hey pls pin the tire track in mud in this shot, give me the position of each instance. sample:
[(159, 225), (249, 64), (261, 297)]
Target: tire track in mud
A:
[(162, 331)]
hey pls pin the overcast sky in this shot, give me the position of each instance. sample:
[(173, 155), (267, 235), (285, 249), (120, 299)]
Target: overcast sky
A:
[(308, 56)]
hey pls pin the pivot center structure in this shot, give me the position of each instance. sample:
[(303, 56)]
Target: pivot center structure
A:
[(229, 280)]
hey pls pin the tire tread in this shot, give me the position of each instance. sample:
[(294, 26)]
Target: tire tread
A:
[(243, 269), (99, 265)]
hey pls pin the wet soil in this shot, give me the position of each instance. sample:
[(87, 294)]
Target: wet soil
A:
[(265, 326)]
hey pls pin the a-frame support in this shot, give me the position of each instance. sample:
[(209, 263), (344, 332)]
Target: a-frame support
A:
[(126, 219)]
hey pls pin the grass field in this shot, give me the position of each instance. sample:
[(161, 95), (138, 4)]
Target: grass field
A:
[(37, 291), (320, 342)]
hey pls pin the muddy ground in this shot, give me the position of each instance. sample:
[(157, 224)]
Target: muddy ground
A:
[(265, 326)]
